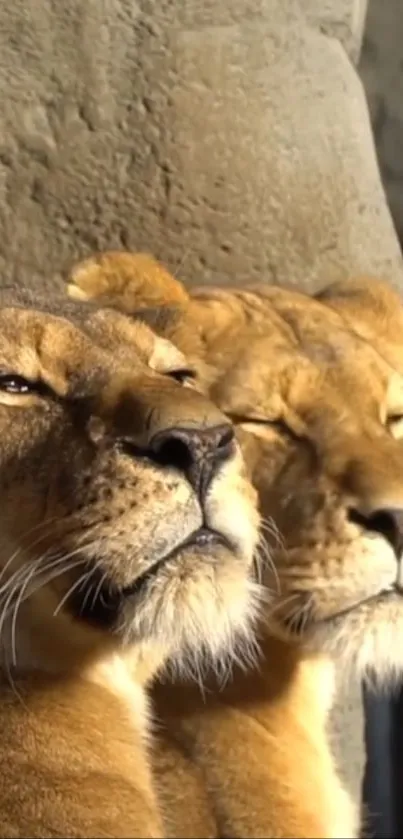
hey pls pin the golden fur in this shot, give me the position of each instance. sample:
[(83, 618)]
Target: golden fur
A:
[(127, 537), (315, 387)]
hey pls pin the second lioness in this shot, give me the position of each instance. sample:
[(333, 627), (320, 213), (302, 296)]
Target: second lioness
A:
[(316, 390)]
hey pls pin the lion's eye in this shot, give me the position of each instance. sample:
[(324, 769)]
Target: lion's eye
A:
[(16, 384), (395, 426), (182, 375), (277, 424)]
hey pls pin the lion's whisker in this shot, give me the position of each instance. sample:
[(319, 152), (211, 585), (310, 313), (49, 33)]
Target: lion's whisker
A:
[(297, 621), (84, 577), (29, 577), (17, 604), (34, 543), (98, 589), (264, 559), (268, 525), (283, 603), (17, 585), (21, 597)]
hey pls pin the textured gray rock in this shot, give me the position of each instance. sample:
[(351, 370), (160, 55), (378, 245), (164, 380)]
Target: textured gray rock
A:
[(381, 68), (341, 19), (240, 149)]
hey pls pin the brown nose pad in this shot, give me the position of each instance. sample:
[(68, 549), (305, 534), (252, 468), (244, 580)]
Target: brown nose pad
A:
[(197, 453), (387, 521)]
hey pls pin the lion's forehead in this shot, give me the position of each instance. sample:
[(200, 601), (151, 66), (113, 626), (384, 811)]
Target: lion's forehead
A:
[(296, 333), (38, 344), (79, 340), (262, 382)]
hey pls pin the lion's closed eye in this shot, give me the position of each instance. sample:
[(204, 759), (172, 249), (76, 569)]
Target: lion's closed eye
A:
[(278, 424), (184, 375), (395, 425)]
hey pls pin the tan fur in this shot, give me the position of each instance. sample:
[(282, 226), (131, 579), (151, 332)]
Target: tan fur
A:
[(100, 582), (316, 389)]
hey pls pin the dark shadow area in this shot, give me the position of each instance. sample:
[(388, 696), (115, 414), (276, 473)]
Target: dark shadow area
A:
[(383, 778)]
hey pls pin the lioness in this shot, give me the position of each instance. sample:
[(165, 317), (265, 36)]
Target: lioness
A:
[(315, 387), (128, 530)]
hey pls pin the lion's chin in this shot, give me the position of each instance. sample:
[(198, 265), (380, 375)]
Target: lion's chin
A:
[(203, 612), (199, 603), (366, 642)]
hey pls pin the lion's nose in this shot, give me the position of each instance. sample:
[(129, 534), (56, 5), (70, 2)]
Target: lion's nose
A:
[(388, 521), (196, 452)]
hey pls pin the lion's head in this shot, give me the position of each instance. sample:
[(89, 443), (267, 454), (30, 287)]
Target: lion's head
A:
[(319, 412), (315, 388), (126, 516)]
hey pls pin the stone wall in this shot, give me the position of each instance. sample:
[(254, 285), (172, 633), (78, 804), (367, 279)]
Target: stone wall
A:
[(381, 69), (229, 138)]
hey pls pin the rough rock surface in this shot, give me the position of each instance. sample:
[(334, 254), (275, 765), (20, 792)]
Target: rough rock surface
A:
[(231, 139), (381, 68)]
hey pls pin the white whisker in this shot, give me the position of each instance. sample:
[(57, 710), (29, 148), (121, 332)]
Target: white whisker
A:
[(264, 560), (21, 590), (70, 590), (98, 589), (17, 604), (34, 543)]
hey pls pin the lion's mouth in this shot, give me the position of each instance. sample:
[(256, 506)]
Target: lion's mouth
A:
[(98, 601), (381, 596), (394, 592), (302, 623)]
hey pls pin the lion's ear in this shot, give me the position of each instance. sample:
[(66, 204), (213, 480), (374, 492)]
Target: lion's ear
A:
[(370, 306), (369, 291), (128, 281)]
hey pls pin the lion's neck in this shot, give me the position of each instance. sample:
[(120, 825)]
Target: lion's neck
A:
[(306, 682), (302, 689), (58, 648)]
